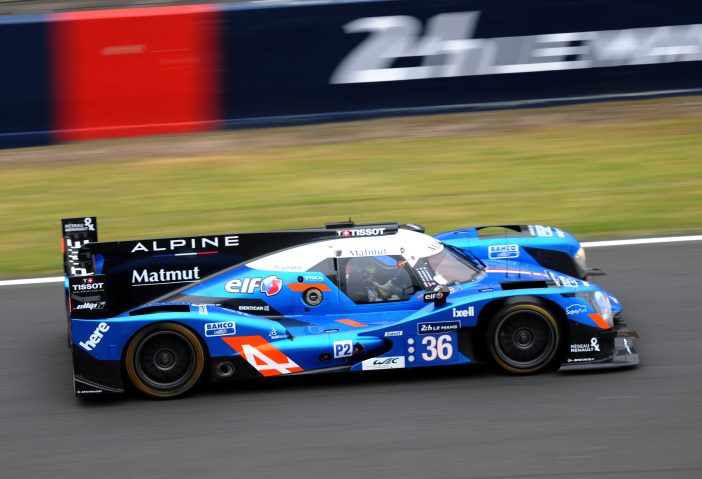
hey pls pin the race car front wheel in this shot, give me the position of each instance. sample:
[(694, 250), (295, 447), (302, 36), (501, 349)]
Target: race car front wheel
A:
[(523, 338), (165, 360)]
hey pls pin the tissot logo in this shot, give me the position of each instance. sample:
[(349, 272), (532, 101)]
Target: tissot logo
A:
[(361, 232), (162, 276), (88, 285), (203, 243)]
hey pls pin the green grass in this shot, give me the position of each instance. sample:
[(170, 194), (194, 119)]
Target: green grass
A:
[(596, 180)]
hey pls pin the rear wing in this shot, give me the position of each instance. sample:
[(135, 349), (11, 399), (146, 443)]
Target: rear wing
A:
[(109, 278), (86, 293), (78, 232)]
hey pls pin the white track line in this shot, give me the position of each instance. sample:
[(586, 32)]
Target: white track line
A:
[(669, 239), (587, 244), (15, 282)]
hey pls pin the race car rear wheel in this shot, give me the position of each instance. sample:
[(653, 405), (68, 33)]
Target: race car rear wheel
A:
[(523, 338), (165, 360)]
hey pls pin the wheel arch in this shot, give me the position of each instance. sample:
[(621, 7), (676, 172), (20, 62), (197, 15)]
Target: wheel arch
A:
[(123, 363), (487, 313)]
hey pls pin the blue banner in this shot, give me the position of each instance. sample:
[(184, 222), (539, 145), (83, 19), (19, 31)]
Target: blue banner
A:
[(286, 63), (24, 82)]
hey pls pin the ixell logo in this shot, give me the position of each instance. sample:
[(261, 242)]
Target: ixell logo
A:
[(96, 337), (446, 48), (463, 313), (270, 285)]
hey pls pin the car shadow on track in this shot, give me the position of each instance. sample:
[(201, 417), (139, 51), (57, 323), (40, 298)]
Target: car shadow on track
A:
[(465, 374), (353, 380)]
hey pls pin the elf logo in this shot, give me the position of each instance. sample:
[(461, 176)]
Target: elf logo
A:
[(270, 285), (96, 337)]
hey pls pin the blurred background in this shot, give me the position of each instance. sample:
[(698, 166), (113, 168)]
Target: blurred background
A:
[(291, 114), (169, 119)]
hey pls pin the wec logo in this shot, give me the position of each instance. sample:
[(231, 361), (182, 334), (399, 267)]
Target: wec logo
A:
[(388, 362), (96, 337)]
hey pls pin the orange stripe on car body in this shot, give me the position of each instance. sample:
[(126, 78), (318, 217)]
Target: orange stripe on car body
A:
[(300, 287), (262, 355), (599, 321), (351, 322)]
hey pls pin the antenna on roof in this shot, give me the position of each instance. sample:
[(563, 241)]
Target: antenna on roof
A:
[(340, 224)]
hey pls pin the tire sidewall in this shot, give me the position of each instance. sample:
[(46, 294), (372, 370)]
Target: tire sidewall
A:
[(550, 321), (131, 367)]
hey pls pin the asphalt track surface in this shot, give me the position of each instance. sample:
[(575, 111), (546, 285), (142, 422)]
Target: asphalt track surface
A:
[(452, 423)]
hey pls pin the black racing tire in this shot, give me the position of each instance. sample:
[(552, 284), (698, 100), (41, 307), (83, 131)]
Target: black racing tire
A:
[(165, 360), (523, 338)]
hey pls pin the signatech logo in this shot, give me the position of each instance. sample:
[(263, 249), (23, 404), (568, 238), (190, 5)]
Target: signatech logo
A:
[(72, 249), (196, 244), (146, 277), (361, 232), (96, 337), (270, 285), (445, 48)]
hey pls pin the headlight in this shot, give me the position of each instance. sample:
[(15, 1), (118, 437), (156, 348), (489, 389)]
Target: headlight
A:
[(581, 261), (603, 306)]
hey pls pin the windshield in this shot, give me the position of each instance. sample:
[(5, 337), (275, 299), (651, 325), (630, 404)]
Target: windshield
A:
[(452, 268)]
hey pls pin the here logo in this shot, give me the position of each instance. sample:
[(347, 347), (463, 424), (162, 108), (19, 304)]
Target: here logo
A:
[(96, 337)]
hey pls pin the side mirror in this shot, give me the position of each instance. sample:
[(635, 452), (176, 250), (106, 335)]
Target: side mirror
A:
[(437, 296)]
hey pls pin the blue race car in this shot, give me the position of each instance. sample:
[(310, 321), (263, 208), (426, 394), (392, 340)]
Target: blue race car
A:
[(164, 315)]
